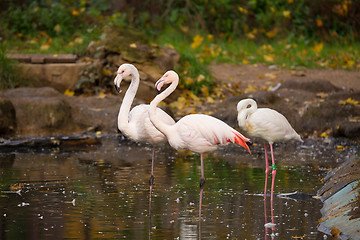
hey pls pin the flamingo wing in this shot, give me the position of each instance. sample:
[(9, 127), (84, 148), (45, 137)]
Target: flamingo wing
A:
[(270, 125)]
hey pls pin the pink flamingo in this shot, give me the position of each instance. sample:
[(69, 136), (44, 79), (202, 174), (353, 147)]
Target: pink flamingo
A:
[(136, 124), (197, 132), (269, 125)]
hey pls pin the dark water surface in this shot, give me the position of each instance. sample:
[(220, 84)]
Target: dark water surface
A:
[(102, 192)]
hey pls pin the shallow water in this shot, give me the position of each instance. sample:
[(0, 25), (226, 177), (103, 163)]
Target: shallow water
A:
[(102, 191)]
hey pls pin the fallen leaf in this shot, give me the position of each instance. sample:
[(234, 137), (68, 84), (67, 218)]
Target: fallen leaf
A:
[(318, 47), (335, 232), (349, 101), (269, 58), (197, 40), (322, 95), (250, 88), (69, 92), (286, 14), (133, 45)]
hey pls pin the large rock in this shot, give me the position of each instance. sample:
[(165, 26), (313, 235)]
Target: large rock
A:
[(40, 110)]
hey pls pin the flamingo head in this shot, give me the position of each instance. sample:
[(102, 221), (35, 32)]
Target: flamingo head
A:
[(167, 78), (123, 71)]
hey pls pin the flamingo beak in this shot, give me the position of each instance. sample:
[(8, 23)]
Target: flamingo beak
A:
[(158, 85), (117, 82)]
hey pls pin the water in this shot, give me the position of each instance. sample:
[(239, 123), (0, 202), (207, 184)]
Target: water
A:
[(102, 192)]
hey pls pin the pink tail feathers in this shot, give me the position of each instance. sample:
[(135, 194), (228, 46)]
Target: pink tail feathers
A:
[(241, 140)]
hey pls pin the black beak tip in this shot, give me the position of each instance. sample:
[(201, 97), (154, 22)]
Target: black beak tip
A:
[(157, 91), (117, 89)]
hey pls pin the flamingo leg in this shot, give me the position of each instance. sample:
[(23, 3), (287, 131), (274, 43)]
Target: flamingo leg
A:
[(150, 212), (151, 180), (202, 181), (200, 203), (272, 184), (266, 170)]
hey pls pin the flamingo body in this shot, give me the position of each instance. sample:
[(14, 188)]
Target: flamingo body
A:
[(202, 133), (264, 123), (197, 132), (136, 124)]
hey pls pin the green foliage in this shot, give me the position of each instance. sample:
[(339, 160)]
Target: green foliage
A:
[(9, 77)]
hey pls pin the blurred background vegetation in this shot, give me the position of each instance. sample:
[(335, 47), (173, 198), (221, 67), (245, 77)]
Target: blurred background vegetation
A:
[(286, 33)]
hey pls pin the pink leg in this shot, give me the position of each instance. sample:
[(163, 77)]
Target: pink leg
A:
[(151, 181), (202, 181), (200, 203), (266, 171), (272, 184)]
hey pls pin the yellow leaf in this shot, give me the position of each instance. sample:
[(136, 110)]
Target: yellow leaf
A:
[(98, 133), (250, 88), (290, 1), (319, 22), (335, 232), (210, 37), (75, 12), (69, 92), (324, 135), (78, 40), (210, 100), (197, 40), (250, 35), (270, 75), (57, 28), (243, 10), (44, 47), (286, 14), (200, 78), (133, 45), (350, 63), (204, 90), (318, 47), (101, 95), (244, 61), (269, 58), (184, 29), (349, 101), (322, 94), (272, 33)]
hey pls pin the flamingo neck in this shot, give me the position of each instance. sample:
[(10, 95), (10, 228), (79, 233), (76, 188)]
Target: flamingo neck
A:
[(123, 117), (154, 118), (246, 111)]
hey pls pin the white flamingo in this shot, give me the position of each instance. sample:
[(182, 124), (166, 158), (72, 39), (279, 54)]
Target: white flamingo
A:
[(269, 125), (197, 132), (136, 124)]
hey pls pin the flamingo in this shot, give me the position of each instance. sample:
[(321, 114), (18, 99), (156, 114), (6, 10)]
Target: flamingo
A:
[(135, 124), (269, 125), (197, 132)]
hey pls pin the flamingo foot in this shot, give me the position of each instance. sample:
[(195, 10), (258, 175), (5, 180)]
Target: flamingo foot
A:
[(202, 182), (151, 180)]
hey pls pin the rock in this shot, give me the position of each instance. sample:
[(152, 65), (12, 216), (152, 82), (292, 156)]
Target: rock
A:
[(313, 85), (40, 110), (7, 117)]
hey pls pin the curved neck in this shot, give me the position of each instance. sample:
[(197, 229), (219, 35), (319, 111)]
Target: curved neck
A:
[(246, 111), (123, 117), (154, 118)]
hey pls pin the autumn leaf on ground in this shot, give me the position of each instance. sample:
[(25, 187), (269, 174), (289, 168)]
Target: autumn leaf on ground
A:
[(101, 95), (243, 10), (269, 57), (270, 75), (286, 14), (133, 45), (69, 92), (322, 94), (324, 135), (250, 88), (197, 40), (272, 33), (318, 47), (349, 101)]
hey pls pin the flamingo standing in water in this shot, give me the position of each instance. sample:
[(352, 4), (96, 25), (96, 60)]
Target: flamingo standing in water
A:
[(136, 124), (197, 132), (269, 125)]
